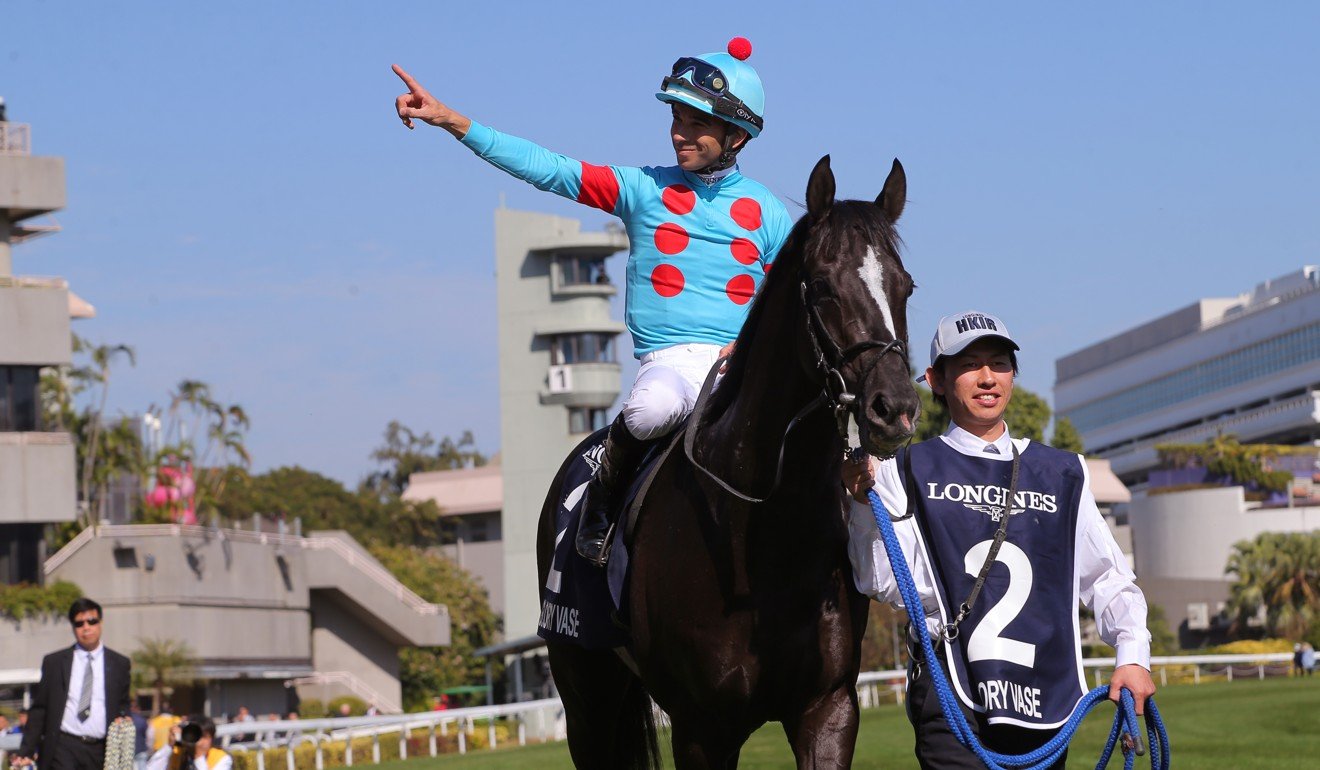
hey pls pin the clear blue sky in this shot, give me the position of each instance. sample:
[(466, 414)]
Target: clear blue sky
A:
[(244, 207)]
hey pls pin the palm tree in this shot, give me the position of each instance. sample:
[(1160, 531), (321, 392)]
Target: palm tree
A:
[(162, 663), (1279, 571), (102, 356)]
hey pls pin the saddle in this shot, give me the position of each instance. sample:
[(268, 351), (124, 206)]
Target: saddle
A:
[(582, 604)]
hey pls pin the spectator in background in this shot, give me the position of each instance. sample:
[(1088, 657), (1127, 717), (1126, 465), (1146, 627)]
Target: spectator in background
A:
[(1308, 658), (4, 725), (244, 716), (158, 729), (1297, 659), (19, 725), (140, 753), (205, 756), (345, 710)]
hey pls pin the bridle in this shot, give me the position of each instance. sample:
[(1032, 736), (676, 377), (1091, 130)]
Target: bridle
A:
[(834, 395), (830, 361)]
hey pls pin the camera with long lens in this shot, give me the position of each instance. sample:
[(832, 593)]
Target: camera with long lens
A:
[(189, 734)]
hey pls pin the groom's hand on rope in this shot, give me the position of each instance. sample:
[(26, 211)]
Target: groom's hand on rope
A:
[(858, 476), (1137, 679), (420, 104)]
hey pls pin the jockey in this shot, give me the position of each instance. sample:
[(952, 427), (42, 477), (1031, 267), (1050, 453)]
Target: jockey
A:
[(701, 238)]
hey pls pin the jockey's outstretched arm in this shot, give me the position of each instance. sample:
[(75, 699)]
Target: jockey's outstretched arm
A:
[(598, 186)]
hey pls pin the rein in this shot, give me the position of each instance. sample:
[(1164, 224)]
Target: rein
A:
[(834, 393)]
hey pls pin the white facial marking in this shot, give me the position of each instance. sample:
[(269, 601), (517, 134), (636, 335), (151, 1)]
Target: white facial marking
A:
[(873, 275)]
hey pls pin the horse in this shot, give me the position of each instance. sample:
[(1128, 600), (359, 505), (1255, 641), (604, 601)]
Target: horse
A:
[(742, 609)]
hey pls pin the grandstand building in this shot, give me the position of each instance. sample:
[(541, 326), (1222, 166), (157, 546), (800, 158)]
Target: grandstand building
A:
[(1247, 365)]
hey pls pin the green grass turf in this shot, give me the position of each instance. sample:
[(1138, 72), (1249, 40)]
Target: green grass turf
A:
[(1241, 725)]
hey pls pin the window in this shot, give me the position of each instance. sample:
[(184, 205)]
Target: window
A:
[(577, 270), (583, 348), (19, 404), (1260, 359), (586, 420)]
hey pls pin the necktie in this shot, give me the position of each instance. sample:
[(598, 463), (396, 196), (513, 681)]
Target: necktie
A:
[(85, 698)]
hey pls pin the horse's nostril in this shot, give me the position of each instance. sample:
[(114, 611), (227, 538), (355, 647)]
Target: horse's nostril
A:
[(880, 408)]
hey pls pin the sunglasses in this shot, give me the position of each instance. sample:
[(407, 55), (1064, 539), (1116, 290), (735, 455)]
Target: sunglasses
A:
[(690, 73), (81, 623)]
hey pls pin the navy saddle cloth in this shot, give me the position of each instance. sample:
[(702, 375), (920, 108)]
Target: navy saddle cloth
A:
[(579, 601)]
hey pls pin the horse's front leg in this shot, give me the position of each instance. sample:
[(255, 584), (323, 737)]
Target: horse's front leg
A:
[(825, 734)]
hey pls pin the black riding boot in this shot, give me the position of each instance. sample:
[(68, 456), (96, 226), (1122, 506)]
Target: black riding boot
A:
[(601, 500)]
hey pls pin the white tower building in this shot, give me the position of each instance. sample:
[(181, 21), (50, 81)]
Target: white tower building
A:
[(559, 373)]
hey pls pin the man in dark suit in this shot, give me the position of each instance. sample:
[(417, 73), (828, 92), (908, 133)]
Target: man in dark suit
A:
[(83, 689)]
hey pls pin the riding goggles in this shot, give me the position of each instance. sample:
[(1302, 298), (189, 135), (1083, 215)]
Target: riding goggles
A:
[(690, 73)]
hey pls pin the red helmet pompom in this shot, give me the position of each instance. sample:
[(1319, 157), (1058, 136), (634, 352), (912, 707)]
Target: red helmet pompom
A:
[(740, 48)]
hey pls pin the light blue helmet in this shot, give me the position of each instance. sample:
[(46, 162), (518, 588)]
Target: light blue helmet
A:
[(719, 84)]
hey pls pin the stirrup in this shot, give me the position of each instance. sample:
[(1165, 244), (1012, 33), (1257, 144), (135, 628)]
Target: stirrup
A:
[(601, 557)]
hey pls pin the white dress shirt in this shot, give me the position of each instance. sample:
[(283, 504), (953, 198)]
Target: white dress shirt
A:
[(94, 725), (1102, 579), (161, 760)]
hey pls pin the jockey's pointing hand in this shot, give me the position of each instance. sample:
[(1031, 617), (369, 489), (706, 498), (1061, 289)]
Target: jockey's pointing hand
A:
[(418, 103)]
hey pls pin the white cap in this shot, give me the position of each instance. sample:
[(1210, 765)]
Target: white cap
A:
[(955, 332)]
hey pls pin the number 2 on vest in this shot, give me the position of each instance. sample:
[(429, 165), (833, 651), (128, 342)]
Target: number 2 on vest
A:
[(985, 642)]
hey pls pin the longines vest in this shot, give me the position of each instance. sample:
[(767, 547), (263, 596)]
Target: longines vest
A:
[(1015, 657)]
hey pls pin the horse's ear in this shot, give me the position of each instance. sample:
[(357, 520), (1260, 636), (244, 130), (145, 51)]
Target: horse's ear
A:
[(894, 195), (820, 190)]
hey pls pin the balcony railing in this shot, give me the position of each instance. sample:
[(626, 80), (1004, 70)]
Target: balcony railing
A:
[(15, 138)]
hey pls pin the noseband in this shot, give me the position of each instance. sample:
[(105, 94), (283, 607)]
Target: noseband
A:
[(834, 394)]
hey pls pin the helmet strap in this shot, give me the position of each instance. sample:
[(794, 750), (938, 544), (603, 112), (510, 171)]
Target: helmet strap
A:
[(729, 152)]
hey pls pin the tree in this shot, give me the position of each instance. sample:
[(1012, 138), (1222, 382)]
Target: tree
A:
[(102, 356), (324, 503), (162, 663), (1279, 571), (202, 437), (934, 418), (1066, 436), (425, 671), (1027, 415), (1162, 640), (885, 644), (405, 453)]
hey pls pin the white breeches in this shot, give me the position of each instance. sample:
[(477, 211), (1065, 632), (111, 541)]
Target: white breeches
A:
[(666, 388)]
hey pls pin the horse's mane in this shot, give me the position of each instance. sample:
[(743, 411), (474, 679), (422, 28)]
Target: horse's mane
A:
[(846, 222)]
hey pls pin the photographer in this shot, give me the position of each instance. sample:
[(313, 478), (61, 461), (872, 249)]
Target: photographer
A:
[(192, 737)]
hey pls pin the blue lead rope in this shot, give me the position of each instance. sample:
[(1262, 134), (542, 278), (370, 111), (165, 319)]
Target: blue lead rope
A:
[(1125, 718)]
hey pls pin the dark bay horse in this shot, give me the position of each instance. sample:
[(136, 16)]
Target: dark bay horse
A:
[(743, 611)]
